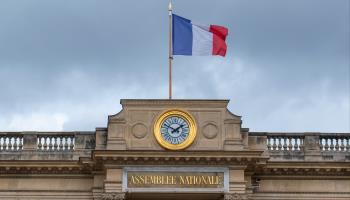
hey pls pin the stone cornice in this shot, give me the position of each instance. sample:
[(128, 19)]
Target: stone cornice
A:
[(42, 167), (180, 157), (304, 169), (211, 103)]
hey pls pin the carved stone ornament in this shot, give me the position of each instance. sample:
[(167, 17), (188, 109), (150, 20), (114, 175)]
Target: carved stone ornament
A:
[(234, 196), (139, 130), (113, 196), (210, 131)]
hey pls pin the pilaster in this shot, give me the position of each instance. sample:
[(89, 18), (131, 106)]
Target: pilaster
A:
[(237, 181), (113, 181)]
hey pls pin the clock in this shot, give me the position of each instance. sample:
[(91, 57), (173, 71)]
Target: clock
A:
[(175, 129)]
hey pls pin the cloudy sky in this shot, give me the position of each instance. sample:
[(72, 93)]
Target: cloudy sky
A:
[(64, 65)]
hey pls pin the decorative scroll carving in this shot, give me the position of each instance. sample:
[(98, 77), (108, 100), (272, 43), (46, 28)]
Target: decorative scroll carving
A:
[(113, 196), (236, 196), (233, 196)]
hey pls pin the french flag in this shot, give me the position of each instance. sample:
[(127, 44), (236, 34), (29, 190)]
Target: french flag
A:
[(193, 39)]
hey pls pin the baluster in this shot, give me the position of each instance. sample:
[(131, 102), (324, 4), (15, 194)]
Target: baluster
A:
[(274, 145), (15, 144), (347, 140), (332, 145), (336, 148), (2, 142), (39, 145), (279, 146), (296, 143), (322, 144), (7, 143), (72, 143), (55, 145), (10, 143), (290, 145), (50, 143), (20, 144), (268, 143), (341, 144), (45, 143), (284, 143), (60, 146), (326, 147), (65, 143), (302, 144)]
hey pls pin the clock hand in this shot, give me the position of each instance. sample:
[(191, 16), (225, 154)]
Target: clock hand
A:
[(177, 129), (168, 126)]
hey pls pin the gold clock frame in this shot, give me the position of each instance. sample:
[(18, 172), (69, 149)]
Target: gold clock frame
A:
[(183, 114)]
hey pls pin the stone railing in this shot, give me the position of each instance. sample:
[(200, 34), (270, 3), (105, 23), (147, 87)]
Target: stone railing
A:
[(306, 146), (56, 142), (285, 142), (11, 142), (25, 145), (71, 145), (334, 142)]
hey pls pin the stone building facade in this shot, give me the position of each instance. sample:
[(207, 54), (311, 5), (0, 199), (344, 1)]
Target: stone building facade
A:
[(126, 159)]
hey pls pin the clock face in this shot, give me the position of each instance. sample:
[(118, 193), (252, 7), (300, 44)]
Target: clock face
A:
[(175, 129)]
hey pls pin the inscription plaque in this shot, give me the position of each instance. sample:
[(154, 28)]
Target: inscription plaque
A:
[(175, 179)]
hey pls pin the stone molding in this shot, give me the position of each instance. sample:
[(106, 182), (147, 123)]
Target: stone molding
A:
[(202, 103), (113, 196), (242, 158)]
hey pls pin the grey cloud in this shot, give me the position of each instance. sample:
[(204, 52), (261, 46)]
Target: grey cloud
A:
[(287, 66)]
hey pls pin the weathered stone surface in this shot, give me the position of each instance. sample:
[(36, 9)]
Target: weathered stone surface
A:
[(89, 165)]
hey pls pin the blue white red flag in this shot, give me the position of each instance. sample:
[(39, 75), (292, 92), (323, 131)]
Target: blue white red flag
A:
[(193, 39)]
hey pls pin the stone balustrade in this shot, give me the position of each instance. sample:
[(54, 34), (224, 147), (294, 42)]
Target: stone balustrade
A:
[(56, 142), (279, 146), (47, 145), (11, 142), (285, 142), (335, 142), (306, 146)]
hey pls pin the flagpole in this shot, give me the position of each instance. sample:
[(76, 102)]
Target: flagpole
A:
[(170, 49)]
